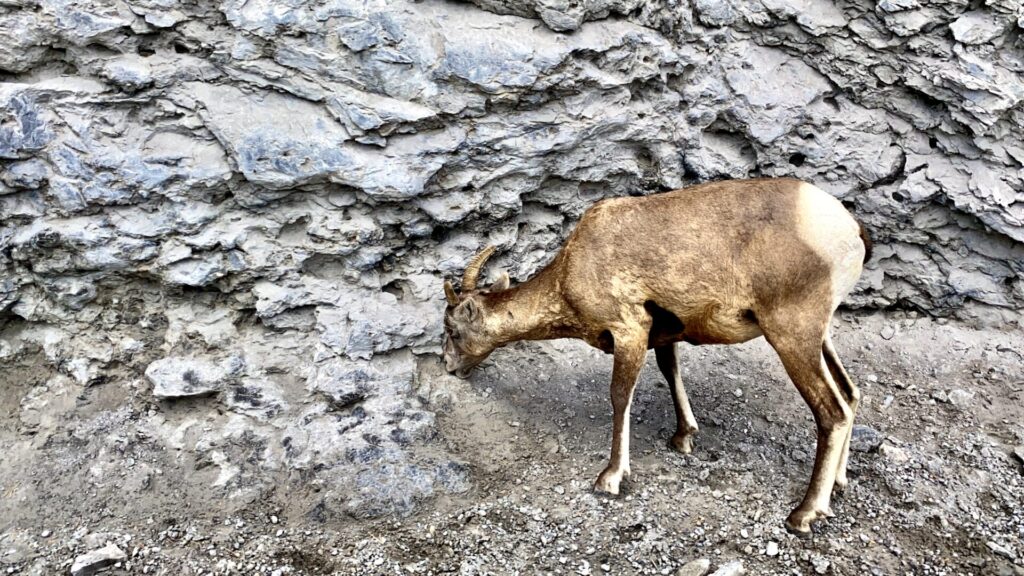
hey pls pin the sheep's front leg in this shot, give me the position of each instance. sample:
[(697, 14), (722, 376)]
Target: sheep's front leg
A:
[(629, 358)]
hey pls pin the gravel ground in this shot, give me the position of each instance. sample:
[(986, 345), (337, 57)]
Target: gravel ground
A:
[(937, 475)]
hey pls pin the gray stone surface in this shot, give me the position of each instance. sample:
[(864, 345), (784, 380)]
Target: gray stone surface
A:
[(697, 567), (288, 183), (865, 439), (95, 561), (733, 568), (178, 377)]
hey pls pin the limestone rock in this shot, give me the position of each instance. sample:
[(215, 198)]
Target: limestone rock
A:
[(978, 27), (865, 439), (733, 568), (24, 129), (178, 377), (960, 398), (93, 562), (698, 567)]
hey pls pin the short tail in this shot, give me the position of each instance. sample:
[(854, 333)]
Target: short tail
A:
[(866, 239)]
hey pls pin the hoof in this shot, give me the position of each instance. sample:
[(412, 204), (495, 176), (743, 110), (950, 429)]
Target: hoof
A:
[(682, 443), (840, 486), (608, 482), (796, 531), (800, 521)]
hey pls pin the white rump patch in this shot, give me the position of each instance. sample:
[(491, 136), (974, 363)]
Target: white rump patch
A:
[(828, 228)]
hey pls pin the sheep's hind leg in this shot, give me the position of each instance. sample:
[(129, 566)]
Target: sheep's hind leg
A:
[(852, 395), (799, 345), (630, 350), (686, 424)]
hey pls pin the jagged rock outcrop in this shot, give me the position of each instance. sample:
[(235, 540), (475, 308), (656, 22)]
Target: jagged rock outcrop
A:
[(280, 186)]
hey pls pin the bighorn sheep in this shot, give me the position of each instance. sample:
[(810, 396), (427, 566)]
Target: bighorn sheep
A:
[(718, 263)]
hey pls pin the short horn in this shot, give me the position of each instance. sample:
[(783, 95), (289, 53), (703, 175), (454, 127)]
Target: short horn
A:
[(472, 272), (450, 295)]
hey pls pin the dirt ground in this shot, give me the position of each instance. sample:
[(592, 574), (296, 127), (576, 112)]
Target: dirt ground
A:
[(937, 472)]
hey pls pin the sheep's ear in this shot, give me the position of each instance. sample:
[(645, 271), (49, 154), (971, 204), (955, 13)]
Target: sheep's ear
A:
[(501, 283), (471, 309), (449, 293)]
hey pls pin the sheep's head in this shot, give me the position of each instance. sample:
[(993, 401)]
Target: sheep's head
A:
[(468, 335)]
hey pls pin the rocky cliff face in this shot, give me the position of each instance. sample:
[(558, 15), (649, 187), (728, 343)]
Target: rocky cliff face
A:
[(256, 201)]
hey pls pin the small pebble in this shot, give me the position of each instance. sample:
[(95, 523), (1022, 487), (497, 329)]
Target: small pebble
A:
[(698, 567), (865, 439), (731, 569)]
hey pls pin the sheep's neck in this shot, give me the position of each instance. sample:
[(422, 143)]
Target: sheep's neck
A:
[(534, 310)]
